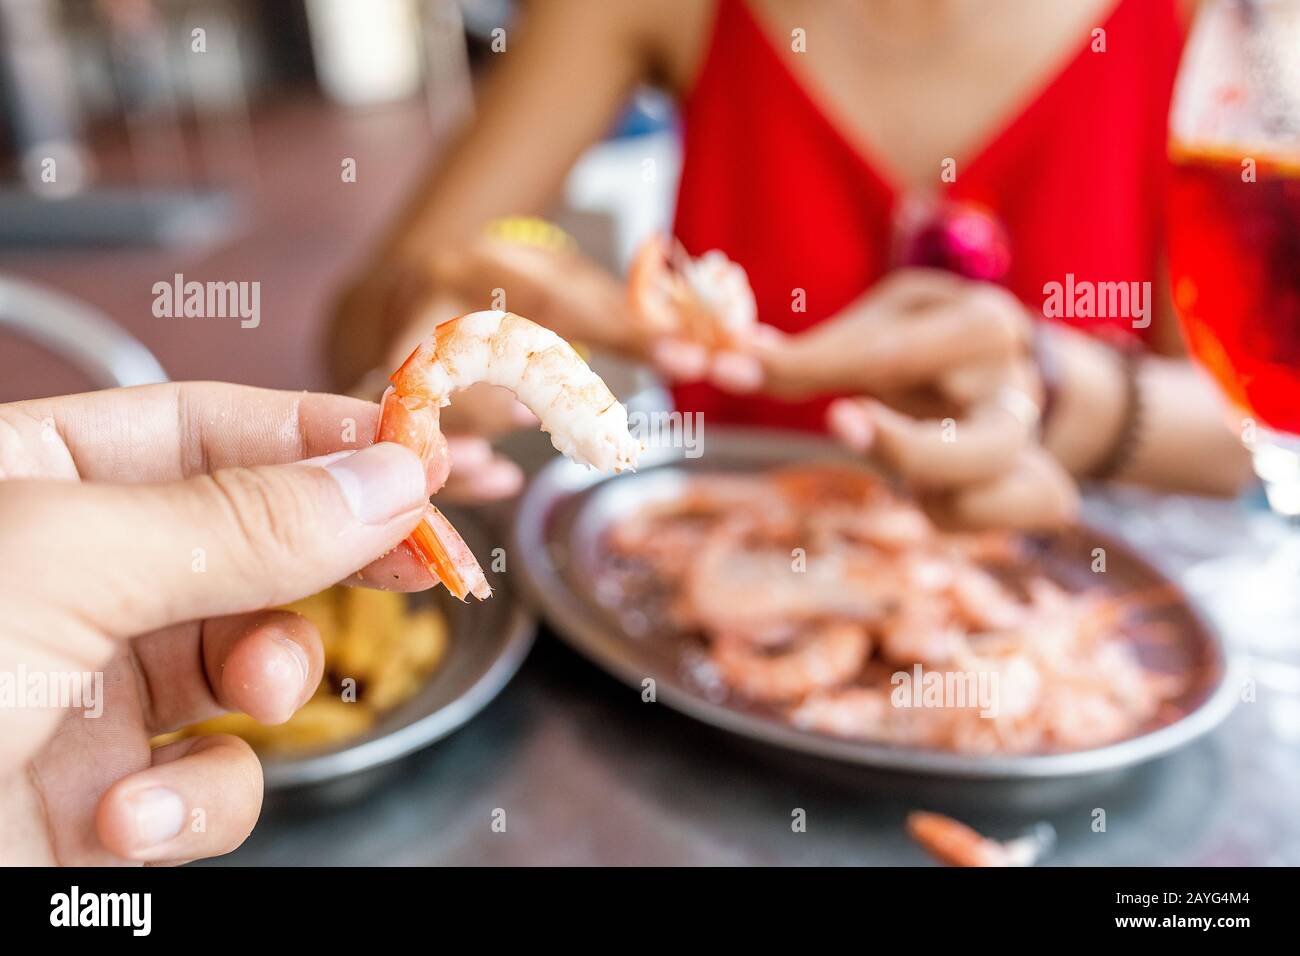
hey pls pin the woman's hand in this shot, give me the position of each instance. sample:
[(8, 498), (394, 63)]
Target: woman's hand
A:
[(954, 401), (984, 471), (694, 319), (143, 535)]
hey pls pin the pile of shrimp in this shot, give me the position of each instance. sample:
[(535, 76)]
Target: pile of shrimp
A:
[(813, 588)]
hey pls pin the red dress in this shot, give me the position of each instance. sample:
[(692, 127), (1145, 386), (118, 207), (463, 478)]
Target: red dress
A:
[(1076, 177)]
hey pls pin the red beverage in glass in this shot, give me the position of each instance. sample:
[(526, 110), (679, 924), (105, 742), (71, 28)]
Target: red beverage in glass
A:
[(1234, 257)]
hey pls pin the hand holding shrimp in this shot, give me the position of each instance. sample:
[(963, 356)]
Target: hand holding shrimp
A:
[(697, 315), (110, 503), (584, 419)]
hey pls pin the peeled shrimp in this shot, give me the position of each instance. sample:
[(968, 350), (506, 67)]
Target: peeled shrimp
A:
[(982, 602), (764, 567), (868, 713), (823, 657), (851, 712), (584, 419), (738, 584), (921, 631), (706, 300)]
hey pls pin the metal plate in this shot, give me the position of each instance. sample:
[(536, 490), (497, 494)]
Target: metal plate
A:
[(488, 642), (566, 510)]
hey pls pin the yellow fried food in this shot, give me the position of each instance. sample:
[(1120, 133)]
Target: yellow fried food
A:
[(378, 652), (322, 610)]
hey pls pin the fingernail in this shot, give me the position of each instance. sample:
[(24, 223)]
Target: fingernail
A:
[(157, 815), (295, 665), (850, 424), (379, 482)]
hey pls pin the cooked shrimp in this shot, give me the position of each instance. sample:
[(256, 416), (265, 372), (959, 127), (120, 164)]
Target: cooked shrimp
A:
[(982, 602), (894, 527), (705, 501), (763, 567), (920, 631), (852, 503), (956, 844), (870, 713), (739, 584), (585, 421), (825, 656), (706, 300), (822, 484), (862, 712)]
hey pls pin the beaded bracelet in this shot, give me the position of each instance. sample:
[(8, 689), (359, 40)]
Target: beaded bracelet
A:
[(1125, 444)]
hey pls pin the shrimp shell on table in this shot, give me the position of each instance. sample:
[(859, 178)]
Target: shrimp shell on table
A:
[(954, 843), (575, 407)]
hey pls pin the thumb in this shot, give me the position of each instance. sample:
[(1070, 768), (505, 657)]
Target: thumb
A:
[(132, 558), (790, 367)]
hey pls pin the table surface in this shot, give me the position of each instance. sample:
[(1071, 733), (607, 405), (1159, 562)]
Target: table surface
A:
[(583, 770)]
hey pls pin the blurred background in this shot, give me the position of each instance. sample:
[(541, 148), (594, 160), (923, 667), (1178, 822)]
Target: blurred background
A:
[(236, 140)]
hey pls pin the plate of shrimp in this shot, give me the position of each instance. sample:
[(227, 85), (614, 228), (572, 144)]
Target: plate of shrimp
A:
[(778, 589)]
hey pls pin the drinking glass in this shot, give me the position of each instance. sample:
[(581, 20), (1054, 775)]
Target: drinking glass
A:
[(1234, 255)]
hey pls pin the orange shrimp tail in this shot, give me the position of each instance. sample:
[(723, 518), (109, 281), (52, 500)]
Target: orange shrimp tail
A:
[(952, 842), (409, 379), (447, 556), (413, 422), (407, 422), (651, 306)]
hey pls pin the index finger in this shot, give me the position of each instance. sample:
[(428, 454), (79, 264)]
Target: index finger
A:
[(177, 430), (985, 326), (933, 454)]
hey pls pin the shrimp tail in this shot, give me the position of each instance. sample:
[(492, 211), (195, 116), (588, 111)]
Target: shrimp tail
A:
[(413, 422), (448, 558), (956, 844)]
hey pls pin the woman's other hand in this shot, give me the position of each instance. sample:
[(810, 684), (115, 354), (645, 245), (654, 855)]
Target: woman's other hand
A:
[(955, 397)]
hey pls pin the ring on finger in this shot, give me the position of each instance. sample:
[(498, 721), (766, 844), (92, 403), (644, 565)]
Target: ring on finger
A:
[(1021, 406)]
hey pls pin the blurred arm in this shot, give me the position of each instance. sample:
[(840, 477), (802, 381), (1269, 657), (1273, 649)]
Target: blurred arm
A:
[(568, 67), (1184, 441)]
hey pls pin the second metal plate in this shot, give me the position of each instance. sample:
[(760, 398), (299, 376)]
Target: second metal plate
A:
[(567, 509)]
